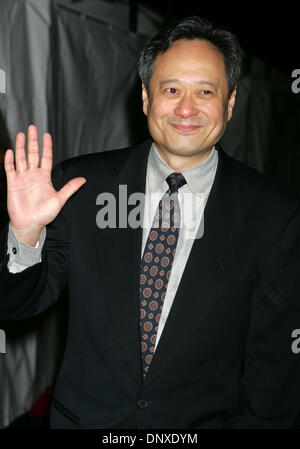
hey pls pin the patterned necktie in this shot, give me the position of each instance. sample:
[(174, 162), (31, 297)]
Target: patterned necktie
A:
[(156, 265)]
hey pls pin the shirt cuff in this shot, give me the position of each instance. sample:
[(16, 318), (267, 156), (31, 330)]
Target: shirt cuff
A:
[(22, 256)]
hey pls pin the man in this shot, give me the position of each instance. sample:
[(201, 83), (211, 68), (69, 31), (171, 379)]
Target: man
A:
[(169, 327)]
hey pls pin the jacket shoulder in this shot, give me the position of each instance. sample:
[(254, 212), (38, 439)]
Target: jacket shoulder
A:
[(260, 192), (104, 165), (88, 164)]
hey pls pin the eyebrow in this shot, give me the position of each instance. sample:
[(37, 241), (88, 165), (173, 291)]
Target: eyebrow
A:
[(176, 80)]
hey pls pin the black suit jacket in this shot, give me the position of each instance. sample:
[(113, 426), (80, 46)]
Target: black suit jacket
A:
[(225, 356)]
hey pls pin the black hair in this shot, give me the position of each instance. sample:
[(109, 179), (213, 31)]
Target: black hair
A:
[(192, 28)]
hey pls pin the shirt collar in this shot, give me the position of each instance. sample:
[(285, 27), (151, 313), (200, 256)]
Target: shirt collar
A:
[(198, 178)]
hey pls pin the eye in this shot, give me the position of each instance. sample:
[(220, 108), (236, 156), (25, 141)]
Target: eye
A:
[(206, 92), (171, 90)]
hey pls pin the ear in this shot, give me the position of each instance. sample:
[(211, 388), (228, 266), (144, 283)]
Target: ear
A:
[(231, 103), (145, 99)]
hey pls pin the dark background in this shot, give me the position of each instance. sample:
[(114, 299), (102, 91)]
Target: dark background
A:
[(268, 31)]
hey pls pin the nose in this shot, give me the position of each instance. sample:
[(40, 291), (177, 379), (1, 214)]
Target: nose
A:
[(186, 107)]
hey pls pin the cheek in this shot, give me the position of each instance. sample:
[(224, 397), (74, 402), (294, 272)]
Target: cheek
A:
[(158, 110), (214, 111)]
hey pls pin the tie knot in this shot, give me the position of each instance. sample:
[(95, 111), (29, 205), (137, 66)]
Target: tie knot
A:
[(175, 181)]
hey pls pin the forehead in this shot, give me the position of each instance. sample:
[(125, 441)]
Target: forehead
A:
[(191, 58)]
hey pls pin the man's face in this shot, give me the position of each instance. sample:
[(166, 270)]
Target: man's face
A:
[(188, 107)]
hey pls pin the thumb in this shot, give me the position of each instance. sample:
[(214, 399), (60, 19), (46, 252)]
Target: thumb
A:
[(69, 189)]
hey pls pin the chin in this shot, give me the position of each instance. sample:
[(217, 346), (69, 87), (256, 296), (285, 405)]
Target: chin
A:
[(185, 150)]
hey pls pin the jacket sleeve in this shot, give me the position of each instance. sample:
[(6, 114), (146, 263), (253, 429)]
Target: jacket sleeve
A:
[(36, 288), (270, 386)]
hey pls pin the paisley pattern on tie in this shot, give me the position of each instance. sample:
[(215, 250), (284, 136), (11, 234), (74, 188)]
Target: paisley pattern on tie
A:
[(156, 266)]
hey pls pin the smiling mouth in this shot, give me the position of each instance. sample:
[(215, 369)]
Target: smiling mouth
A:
[(186, 129)]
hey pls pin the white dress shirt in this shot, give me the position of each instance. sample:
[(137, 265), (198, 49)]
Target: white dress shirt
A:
[(192, 198)]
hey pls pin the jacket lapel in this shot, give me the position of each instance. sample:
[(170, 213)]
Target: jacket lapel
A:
[(223, 223), (119, 256)]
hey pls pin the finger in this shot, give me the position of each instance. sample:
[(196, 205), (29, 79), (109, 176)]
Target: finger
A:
[(9, 165), (47, 155), (33, 147), (69, 189), (21, 162)]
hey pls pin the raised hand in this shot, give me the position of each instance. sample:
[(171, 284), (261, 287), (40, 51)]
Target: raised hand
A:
[(32, 201)]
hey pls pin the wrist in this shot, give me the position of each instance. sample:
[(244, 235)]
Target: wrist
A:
[(29, 236)]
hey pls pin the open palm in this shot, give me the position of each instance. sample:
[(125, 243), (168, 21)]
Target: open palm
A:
[(32, 201)]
